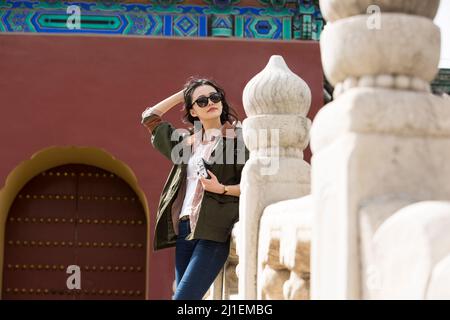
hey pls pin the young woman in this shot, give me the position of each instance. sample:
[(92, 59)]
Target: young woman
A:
[(200, 200)]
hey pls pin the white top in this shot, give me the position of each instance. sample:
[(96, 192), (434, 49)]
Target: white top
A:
[(192, 177)]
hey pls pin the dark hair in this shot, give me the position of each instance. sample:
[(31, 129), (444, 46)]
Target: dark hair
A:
[(228, 113)]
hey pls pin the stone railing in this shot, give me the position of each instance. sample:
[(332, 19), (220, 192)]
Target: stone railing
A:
[(379, 211), (380, 173), (284, 250)]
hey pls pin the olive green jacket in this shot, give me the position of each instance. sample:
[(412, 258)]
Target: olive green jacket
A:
[(218, 213)]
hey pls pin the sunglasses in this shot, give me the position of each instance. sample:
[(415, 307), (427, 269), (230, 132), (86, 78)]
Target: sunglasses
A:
[(202, 101)]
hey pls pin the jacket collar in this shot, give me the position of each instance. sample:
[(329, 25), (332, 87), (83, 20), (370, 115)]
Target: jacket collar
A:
[(226, 131)]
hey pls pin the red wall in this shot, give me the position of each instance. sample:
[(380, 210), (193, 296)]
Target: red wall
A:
[(60, 90)]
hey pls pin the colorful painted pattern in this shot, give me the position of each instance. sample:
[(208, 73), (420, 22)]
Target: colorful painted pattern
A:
[(441, 84), (217, 18)]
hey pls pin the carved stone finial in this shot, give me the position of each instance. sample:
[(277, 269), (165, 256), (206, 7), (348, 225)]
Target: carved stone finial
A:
[(276, 90)]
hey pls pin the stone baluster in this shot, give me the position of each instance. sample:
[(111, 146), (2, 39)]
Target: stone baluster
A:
[(284, 250), (231, 279), (276, 131), (381, 145)]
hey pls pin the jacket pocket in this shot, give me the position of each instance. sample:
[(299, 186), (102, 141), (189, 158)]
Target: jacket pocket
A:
[(222, 198), (222, 211)]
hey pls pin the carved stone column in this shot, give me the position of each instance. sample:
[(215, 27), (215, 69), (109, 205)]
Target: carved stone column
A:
[(276, 132), (382, 144)]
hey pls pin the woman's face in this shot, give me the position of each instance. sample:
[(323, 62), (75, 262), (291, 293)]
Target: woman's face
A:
[(210, 111)]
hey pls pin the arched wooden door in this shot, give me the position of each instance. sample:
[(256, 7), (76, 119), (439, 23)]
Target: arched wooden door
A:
[(75, 215)]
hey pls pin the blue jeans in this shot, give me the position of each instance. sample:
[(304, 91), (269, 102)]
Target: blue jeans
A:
[(197, 264)]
